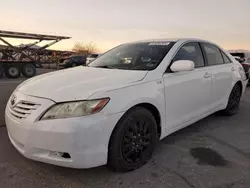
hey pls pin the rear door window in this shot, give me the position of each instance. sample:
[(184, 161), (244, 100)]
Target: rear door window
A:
[(213, 54)]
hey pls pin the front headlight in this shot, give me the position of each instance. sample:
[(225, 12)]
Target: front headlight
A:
[(75, 109)]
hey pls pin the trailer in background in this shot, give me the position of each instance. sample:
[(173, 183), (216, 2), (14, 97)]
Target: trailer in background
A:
[(24, 59)]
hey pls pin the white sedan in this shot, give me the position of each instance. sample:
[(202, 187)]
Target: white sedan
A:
[(113, 112)]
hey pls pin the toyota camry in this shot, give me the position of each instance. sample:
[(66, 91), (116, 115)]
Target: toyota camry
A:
[(115, 110)]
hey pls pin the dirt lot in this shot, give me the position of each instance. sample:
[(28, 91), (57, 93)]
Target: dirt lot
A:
[(214, 152)]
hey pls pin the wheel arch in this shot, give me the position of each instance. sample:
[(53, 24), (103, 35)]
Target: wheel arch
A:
[(155, 112), (240, 84), (237, 82), (151, 108)]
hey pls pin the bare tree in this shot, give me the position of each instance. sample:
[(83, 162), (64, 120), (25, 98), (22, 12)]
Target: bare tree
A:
[(85, 49)]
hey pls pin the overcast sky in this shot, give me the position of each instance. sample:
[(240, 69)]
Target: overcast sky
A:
[(110, 22)]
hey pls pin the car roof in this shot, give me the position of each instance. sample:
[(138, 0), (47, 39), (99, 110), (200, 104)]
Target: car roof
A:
[(181, 40), (172, 40)]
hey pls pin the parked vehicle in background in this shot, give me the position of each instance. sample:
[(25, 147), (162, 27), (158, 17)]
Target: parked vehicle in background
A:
[(114, 111), (244, 59), (244, 56), (73, 61), (91, 57), (25, 58), (237, 58), (246, 67)]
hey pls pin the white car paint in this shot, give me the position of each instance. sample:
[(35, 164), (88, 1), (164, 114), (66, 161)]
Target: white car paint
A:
[(181, 98), (184, 65), (84, 82)]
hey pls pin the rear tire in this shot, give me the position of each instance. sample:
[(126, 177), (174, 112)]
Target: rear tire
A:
[(29, 70), (12, 71), (133, 140), (233, 101)]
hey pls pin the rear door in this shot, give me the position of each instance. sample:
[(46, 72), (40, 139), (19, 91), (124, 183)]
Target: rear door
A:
[(221, 68)]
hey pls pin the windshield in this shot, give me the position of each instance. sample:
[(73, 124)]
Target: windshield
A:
[(134, 56)]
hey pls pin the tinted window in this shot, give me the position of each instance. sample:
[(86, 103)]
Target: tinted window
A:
[(225, 57), (78, 58), (213, 54), (190, 51), (134, 56)]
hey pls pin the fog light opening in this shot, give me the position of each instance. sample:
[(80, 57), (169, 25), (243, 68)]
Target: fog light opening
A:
[(65, 155)]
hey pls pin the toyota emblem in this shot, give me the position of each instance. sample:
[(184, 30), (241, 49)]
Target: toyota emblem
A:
[(13, 100)]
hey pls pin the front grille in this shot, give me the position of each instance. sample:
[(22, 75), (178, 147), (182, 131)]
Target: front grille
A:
[(22, 109)]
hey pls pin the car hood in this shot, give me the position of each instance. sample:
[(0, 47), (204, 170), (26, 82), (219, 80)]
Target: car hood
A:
[(78, 83)]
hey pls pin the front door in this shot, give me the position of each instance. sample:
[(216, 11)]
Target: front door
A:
[(187, 94)]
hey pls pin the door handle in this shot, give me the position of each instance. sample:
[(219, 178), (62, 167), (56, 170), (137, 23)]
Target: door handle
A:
[(232, 69), (207, 75)]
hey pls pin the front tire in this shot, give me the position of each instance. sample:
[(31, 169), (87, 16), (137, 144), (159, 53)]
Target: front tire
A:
[(133, 140), (233, 101)]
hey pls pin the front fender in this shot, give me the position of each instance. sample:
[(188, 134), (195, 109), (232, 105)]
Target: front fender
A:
[(122, 99)]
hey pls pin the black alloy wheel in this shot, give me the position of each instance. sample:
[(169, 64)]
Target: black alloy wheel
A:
[(133, 140), (136, 140), (234, 101)]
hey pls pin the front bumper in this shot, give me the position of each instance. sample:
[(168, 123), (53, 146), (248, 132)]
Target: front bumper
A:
[(85, 138)]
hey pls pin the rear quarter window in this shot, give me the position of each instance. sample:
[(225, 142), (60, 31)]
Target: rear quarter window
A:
[(226, 58)]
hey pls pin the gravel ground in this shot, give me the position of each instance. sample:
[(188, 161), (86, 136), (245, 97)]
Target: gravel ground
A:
[(213, 152)]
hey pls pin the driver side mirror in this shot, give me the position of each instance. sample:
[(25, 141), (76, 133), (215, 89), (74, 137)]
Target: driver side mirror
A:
[(182, 65)]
